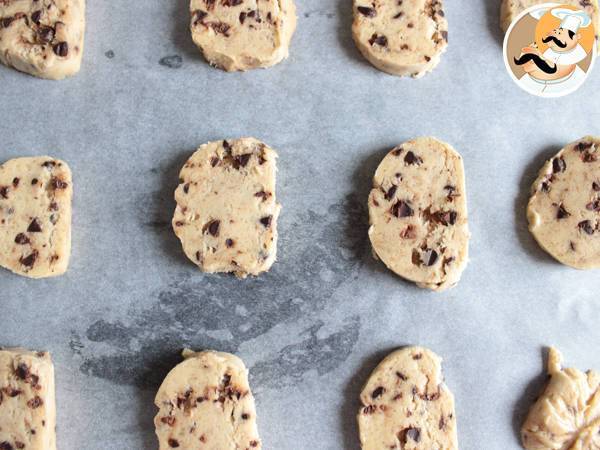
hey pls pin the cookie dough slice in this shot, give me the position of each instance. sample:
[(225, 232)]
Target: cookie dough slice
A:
[(226, 215), (510, 10), (401, 38), (564, 208), (406, 405), (42, 37), (206, 402), (27, 406), (567, 414), (243, 34), (35, 216), (418, 213)]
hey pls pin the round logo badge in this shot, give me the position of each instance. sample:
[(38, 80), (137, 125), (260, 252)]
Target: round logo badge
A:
[(549, 49)]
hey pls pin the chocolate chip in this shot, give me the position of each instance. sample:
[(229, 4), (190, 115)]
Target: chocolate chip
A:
[(583, 146), (232, 2), (186, 188), (29, 261), (418, 356), (22, 371), (214, 161), (397, 16), (391, 192), (229, 243), (242, 17), (401, 209), (596, 186), (379, 40), (16, 182), (378, 392), (397, 151), (401, 376), (366, 11), (559, 165), (34, 181), (20, 445), (5, 446), (253, 443), (46, 35), (445, 217), (262, 194), (241, 160), (586, 226), (57, 183), (413, 434), (442, 423), (593, 206), (213, 227), (409, 232), (35, 402), (34, 226), (245, 416), (12, 392), (22, 239), (7, 21), (173, 443), (266, 221), (562, 213), (61, 49), (444, 35), (199, 16), (4, 191), (168, 420), (220, 28), (36, 16), (429, 257), (410, 158)]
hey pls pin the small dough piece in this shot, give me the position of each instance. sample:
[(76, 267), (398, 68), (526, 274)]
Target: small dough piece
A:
[(35, 216), (418, 213), (226, 215), (243, 34), (567, 414), (406, 405), (401, 38), (510, 10), (43, 38), (27, 405), (564, 209), (206, 402)]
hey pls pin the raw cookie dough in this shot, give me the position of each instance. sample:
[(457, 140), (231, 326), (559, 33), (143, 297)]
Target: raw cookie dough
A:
[(226, 215), (35, 216), (418, 213), (564, 209), (510, 9), (406, 405), (27, 406), (42, 37), (401, 38), (567, 414), (243, 34), (206, 402)]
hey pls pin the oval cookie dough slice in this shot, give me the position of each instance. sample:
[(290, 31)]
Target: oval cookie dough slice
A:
[(226, 215), (567, 414), (42, 37), (564, 209), (206, 402), (406, 405), (510, 10), (35, 216), (27, 405), (401, 38), (418, 213), (243, 34)]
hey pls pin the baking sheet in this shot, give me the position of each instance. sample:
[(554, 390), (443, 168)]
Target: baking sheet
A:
[(314, 327)]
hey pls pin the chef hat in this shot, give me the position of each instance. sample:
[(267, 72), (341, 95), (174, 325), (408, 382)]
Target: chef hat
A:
[(572, 20)]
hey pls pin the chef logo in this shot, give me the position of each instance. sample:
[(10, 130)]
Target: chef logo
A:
[(549, 50)]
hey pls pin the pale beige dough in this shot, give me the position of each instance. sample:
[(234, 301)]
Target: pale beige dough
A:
[(226, 215), (27, 402), (42, 37), (206, 403), (243, 34), (510, 10), (406, 405), (35, 216), (418, 213), (401, 38), (567, 414), (564, 208)]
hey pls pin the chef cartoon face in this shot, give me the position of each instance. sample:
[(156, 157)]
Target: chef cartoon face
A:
[(562, 40)]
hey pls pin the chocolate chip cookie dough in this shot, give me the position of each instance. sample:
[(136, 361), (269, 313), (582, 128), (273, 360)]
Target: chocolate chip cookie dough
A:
[(564, 208), (206, 402), (27, 406), (243, 34), (226, 215), (35, 216), (401, 38), (418, 213), (567, 414), (510, 10), (42, 37), (406, 405)]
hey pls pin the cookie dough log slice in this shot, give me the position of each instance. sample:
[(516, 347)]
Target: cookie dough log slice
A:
[(406, 405), (567, 414), (418, 213), (35, 216), (43, 38), (564, 208), (226, 214), (206, 402), (510, 10), (27, 402), (401, 37), (238, 35)]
